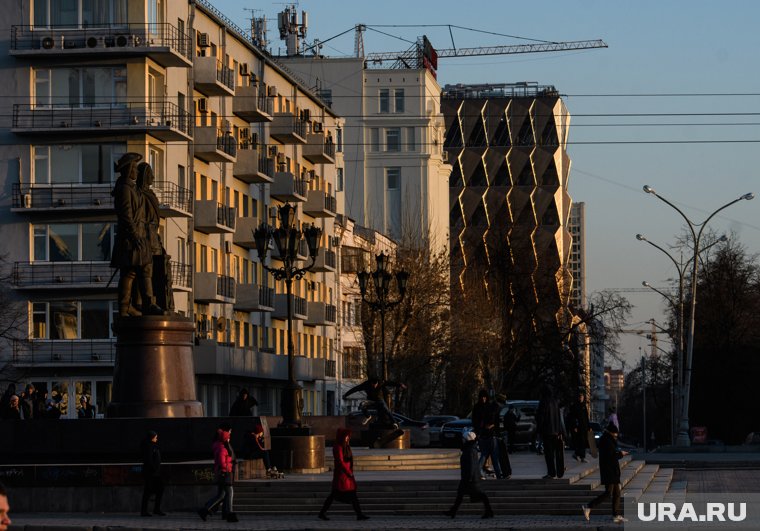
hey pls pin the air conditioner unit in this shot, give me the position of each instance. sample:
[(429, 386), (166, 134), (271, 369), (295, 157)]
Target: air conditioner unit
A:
[(272, 91), (244, 69), (96, 42), (27, 200), (122, 40), (281, 159), (47, 43), (317, 127), (203, 40), (203, 105)]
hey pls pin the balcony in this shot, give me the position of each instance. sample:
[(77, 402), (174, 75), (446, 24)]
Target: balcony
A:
[(330, 369), (254, 165), (213, 288), (280, 307), (58, 275), (163, 43), (85, 352), (287, 187), (321, 314), (173, 200), (213, 145), (252, 104), (212, 77), (182, 276), (254, 298), (287, 128), (159, 118), (244, 232), (325, 262), (214, 218), (319, 204), (210, 357), (319, 149), (67, 198)]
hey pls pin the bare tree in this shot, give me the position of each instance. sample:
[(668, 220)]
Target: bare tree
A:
[(12, 321)]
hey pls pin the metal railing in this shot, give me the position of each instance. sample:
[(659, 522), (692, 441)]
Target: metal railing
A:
[(182, 275), (34, 274), (330, 258), (266, 296), (264, 103), (299, 186), (225, 286), (331, 204), (330, 368), (53, 196), (64, 351), (111, 37), (226, 215), (226, 142), (225, 75), (331, 313), (142, 115), (174, 196), (299, 305)]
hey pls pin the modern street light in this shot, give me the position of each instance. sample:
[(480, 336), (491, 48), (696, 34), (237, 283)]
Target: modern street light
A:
[(381, 278), (683, 438), (287, 238)]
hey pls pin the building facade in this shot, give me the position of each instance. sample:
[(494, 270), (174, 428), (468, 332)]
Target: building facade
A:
[(577, 264), (230, 135)]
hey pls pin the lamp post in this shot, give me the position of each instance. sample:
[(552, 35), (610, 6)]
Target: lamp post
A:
[(381, 278), (287, 238), (683, 425)]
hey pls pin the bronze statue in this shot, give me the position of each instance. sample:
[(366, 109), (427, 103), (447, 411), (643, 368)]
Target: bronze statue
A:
[(131, 250)]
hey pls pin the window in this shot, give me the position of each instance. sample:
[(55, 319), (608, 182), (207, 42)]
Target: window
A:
[(411, 144), (72, 319), (339, 180), (79, 13), (80, 87), (374, 139), (385, 100), (393, 202), (339, 135), (72, 242), (399, 100), (76, 163), (156, 161), (393, 139)]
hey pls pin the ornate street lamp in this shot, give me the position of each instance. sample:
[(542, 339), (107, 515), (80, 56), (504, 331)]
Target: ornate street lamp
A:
[(683, 438), (287, 237), (381, 279)]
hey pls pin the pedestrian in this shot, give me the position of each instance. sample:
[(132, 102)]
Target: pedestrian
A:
[(85, 410), (243, 404), (469, 471), (151, 471), (53, 406), (13, 411), (27, 402), (374, 388), (224, 465), (255, 448), (485, 417), (511, 418), (502, 440), (613, 418), (5, 509), (343, 483), (609, 469), (578, 422), (550, 426)]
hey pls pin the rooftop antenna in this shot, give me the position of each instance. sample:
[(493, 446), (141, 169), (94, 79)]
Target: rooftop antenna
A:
[(359, 40), (292, 30), (258, 28)]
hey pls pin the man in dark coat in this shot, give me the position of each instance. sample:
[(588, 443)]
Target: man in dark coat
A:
[(485, 424), (609, 469), (151, 472), (375, 399), (470, 477), (242, 405), (579, 427), (550, 426), (131, 252)]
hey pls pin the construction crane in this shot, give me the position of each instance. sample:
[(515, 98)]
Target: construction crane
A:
[(422, 54)]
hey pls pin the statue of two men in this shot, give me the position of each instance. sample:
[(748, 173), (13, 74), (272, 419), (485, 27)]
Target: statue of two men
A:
[(137, 244)]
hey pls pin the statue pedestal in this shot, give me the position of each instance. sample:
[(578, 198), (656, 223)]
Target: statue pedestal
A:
[(154, 374)]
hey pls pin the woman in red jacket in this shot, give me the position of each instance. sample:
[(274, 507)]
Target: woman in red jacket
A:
[(343, 483), (224, 463)]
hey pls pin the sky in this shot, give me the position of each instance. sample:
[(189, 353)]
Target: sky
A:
[(674, 102)]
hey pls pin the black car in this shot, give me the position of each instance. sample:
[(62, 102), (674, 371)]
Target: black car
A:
[(525, 433), (435, 423), (451, 432)]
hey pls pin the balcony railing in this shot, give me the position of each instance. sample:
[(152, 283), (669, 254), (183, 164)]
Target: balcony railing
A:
[(162, 119), (253, 165), (212, 77), (62, 196), (252, 103), (227, 144), (225, 286), (288, 128), (225, 75), (61, 274), (182, 275), (173, 199), (330, 368), (319, 149), (214, 145), (84, 351), (163, 42), (213, 218), (226, 215), (288, 187), (320, 204)]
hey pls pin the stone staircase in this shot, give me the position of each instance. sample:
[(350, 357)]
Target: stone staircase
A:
[(419, 494)]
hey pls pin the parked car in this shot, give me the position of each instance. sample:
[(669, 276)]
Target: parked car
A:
[(418, 430), (435, 423), (525, 434), (451, 432)]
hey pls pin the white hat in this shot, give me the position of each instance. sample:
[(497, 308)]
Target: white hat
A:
[(469, 435)]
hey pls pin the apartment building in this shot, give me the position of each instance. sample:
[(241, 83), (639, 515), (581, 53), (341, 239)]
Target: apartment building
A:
[(577, 263), (230, 134)]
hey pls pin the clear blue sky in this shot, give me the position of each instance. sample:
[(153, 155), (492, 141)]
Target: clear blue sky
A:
[(687, 48)]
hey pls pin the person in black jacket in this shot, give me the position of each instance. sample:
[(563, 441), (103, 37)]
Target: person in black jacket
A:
[(485, 424), (470, 477), (579, 428), (550, 426), (375, 399), (609, 469), (151, 471), (243, 404)]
